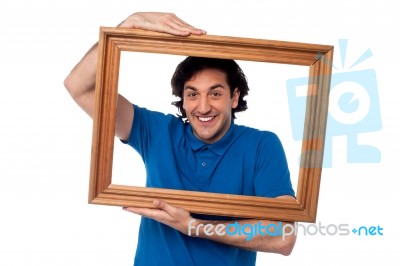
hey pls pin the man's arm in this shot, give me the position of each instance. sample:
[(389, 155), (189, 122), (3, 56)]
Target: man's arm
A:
[(80, 83), (266, 240)]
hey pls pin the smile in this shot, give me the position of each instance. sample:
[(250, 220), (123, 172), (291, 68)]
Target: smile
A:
[(205, 118)]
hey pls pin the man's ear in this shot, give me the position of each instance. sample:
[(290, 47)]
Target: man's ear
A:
[(235, 98)]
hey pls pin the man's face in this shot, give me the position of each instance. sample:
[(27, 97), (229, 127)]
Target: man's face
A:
[(208, 104)]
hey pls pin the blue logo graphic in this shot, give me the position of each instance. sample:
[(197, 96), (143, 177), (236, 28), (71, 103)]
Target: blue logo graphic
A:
[(353, 109), (368, 231)]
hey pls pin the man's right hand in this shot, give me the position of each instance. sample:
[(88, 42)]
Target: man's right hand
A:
[(160, 22)]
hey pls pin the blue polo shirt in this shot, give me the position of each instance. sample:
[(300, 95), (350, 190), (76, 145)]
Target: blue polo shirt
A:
[(245, 161)]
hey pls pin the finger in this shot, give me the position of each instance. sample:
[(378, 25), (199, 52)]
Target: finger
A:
[(191, 28), (179, 30), (164, 206), (175, 23), (187, 30), (176, 30), (149, 213)]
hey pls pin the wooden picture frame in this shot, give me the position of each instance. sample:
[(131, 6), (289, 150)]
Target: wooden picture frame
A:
[(318, 57)]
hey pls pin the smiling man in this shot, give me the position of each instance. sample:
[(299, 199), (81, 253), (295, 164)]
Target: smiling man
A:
[(202, 149)]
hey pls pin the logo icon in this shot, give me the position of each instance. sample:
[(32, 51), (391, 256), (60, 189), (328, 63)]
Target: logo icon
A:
[(353, 108)]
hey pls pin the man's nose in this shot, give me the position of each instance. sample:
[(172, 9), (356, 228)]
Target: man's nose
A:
[(204, 105)]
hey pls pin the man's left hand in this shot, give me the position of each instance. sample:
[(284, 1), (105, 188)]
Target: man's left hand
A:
[(174, 217)]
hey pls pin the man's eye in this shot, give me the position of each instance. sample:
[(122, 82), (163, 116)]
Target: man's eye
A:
[(216, 94), (193, 94)]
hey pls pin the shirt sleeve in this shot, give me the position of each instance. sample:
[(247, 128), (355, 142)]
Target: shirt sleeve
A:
[(147, 127), (272, 177)]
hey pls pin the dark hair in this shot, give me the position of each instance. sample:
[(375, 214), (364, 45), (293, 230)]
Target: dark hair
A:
[(192, 65)]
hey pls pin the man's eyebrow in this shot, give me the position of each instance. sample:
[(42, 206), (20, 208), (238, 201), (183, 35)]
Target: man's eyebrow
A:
[(215, 86), (190, 88)]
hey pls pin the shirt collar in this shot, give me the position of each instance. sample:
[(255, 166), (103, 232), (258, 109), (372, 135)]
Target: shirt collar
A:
[(218, 147)]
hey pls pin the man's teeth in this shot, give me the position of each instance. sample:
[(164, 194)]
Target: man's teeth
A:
[(205, 119)]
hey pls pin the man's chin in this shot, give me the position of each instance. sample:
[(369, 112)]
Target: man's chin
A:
[(205, 137)]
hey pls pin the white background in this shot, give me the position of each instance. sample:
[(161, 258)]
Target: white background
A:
[(45, 139)]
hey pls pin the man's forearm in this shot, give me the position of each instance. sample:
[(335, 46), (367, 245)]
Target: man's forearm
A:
[(256, 235), (81, 81)]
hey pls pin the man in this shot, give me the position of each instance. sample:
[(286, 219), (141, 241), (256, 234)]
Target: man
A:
[(202, 150)]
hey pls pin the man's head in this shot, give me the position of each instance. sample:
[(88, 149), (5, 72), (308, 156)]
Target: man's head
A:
[(210, 92)]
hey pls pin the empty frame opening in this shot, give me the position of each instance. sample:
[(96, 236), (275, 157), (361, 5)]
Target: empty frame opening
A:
[(144, 79)]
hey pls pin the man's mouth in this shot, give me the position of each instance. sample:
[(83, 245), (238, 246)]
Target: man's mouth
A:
[(205, 118)]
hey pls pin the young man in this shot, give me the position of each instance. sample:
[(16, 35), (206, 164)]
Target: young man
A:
[(202, 150)]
